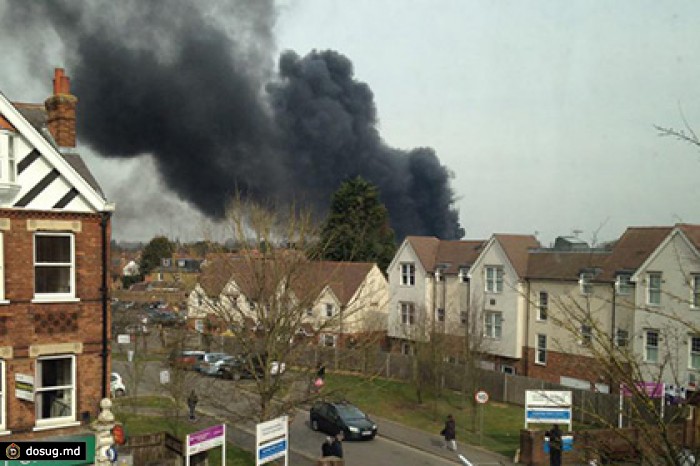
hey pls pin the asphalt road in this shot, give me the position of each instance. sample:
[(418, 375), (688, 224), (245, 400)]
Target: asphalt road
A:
[(220, 398)]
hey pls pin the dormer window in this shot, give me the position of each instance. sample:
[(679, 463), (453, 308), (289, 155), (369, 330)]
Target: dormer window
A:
[(585, 284), (8, 166), (623, 284)]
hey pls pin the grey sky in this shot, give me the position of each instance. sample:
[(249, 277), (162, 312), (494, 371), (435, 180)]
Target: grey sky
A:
[(543, 110)]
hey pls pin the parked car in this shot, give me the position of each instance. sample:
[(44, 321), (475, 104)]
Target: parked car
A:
[(207, 359), (344, 417), (186, 359), (211, 366), (248, 366), (116, 385)]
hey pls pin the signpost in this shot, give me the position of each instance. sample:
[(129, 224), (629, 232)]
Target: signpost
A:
[(481, 397), (272, 441), (548, 407), (206, 439)]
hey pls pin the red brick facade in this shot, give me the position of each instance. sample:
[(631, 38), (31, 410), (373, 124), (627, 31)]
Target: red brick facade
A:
[(25, 324), (562, 364)]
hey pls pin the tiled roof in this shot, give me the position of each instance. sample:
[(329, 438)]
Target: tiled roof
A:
[(258, 278), (452, 255), (692, 232), (517, 249), (557, 265), (633, 248)]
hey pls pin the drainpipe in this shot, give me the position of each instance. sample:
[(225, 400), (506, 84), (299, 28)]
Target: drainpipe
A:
[(104, 290), (526, 366), (613, 331)]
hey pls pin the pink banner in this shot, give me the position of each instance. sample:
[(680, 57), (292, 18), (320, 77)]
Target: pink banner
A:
[(652, 389)]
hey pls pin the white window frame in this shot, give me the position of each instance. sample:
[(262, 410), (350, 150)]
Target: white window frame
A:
[(542, 306), (695, 292), (52, 297), (408, 274), (654, 289), (440, 314), (585, 284), (586, 335), (8, 161), (327, 338), (493, 279), (199, 325), (622, 337), (38, 388), (541, 349), (623, 284), (329, 310), (651, 344), (694, 351), (493, 325), (407, 312), (3, 397), (463, 275)]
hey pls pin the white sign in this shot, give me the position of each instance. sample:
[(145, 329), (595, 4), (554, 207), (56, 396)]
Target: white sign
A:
[(211, 437), (548, 407), (481, 397), (164, 376), (124, 339), (548, 398), (24, 387), (272, 440)]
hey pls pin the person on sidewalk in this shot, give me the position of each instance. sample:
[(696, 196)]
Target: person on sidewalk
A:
[(192, 404), (337, 445), (327, 447), (450, 433), (555, 446)]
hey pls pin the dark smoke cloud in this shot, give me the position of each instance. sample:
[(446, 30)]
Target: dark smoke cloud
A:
[(193, 84)]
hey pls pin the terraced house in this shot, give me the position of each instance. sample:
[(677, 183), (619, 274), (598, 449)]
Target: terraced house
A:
[(54, 252)]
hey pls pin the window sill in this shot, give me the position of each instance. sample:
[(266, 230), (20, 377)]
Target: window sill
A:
[(4, 301), (48, 300), (540, 363), (62, 425), (5, 432)]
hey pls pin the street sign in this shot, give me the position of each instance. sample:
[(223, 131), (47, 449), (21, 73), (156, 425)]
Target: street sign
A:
[(272, 440), (481, 397), (548, 407), (206, 439), (124, 339)]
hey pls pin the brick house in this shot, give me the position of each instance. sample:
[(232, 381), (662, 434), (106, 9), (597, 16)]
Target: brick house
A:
[(54, 306)]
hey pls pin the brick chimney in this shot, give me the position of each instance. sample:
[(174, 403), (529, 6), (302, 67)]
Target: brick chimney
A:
[(60, 108)]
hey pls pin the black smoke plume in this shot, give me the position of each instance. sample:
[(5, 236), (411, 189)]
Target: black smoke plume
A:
[(193, 83)]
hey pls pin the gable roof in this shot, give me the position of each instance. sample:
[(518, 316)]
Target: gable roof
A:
[(30, 121), (450, 254), (517, 249), (344, 278), (633, 248)]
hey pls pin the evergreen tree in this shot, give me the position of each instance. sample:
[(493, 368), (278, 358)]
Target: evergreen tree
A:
[(357, 227), (156, 249)]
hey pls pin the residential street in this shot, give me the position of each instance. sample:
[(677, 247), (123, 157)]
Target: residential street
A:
[(219, 396)]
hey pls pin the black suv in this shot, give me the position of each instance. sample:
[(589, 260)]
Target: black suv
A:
[(344, 417), (242, 367)]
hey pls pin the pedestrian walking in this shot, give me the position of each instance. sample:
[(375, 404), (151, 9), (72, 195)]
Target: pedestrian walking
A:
[(192, 403), (327, 447), (321, 370), (337, 445), (555, 446), (449, 432)]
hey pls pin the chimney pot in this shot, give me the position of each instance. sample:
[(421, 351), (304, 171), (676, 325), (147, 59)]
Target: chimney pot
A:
[(61, 110), (58, 80)]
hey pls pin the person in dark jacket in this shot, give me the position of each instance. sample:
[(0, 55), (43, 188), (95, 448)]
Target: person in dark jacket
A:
[(192, 404), (327, 447), (337, 446), (555, 446), (450, 433)]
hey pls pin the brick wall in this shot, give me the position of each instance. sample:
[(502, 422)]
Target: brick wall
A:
[(559, 364), (30, 323)]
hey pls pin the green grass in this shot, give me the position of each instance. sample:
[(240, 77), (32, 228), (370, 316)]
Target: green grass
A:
[(140, 425), (397, 401)]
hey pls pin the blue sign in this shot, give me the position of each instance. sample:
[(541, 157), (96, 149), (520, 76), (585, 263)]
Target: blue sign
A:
[(567, 443), (272, 449), (549, 415)]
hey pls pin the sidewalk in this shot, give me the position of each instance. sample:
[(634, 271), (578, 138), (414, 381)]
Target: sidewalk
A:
[(434, 444)]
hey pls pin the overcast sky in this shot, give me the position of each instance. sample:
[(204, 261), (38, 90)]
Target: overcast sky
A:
[(543, 110)]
